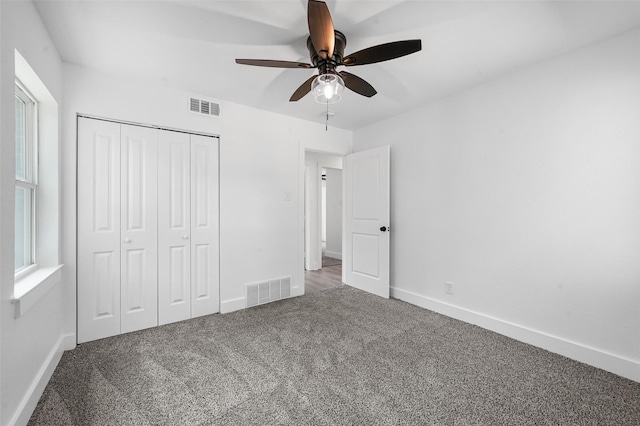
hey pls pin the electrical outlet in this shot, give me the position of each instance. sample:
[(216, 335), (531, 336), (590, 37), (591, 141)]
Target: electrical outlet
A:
[(448, 287)]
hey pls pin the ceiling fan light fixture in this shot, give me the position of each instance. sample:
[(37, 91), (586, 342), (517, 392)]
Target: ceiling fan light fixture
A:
[(327, 88)]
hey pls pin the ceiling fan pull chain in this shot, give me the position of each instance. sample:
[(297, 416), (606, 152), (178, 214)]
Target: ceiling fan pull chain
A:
[(326, 121)]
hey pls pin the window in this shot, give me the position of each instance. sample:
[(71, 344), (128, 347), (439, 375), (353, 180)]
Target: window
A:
[(26, 179), (37, 196)]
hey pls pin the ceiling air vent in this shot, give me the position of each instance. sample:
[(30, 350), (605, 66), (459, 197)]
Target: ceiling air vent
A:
[(201, 106)]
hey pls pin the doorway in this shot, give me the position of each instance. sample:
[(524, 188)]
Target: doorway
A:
[(323, 221)]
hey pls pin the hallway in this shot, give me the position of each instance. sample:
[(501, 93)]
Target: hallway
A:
[(328, 277)]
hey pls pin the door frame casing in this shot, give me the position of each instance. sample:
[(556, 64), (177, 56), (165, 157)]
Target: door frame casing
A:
[(312, 217), (315, 164), (299, 290)]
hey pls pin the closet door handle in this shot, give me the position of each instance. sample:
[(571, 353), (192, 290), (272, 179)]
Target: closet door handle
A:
[(127, 240), (185, 237)]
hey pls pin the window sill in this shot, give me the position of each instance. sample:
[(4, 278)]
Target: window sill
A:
[(29, 289)]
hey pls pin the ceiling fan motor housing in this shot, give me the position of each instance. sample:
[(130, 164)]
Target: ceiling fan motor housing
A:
[(328, 66)]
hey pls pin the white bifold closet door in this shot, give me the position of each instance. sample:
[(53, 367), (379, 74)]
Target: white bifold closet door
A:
[(138, 224), (148, 249), (117, 222), (98, 229), (187, 226)]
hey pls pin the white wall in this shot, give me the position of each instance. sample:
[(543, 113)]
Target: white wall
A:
[(32, 344), (334, 213), (525, 193), (3, 179), (261, 190)]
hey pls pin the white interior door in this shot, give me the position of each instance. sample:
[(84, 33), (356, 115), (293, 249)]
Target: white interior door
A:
[(367, 218), (174, 227), (98, 229), (205, 233), (138, 199)]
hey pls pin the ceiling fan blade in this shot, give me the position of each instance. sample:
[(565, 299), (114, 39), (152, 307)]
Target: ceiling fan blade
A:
[(273, 64), (357, 84), (302, 90), (383, 52), (321, 28)]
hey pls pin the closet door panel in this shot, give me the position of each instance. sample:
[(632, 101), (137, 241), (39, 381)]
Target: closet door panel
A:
[(204, 226), (138, 198), (174, 227), (98, 229)]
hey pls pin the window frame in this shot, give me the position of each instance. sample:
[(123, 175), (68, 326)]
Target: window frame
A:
[(30, 181)]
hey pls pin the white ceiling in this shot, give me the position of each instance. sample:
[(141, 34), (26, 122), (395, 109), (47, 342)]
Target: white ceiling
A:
[(191, 45)]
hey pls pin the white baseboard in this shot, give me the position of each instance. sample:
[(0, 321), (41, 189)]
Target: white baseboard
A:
[(30, 400), (232, 305), (333, 254), (69, 342), (616, 364)]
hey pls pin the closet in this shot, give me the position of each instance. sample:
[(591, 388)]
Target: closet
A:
[(148, 251)]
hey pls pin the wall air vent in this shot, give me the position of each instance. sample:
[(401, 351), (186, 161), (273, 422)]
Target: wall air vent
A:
[(203, 106), (268, 291)]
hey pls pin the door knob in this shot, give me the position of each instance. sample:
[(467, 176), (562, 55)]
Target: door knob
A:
[(383, 228), (185, 237), (127, 240)]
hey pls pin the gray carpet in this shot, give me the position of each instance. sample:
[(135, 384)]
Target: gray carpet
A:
[(336, 357)]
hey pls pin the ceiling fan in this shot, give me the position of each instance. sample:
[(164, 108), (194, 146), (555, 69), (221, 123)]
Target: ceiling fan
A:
[(326, 50)]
